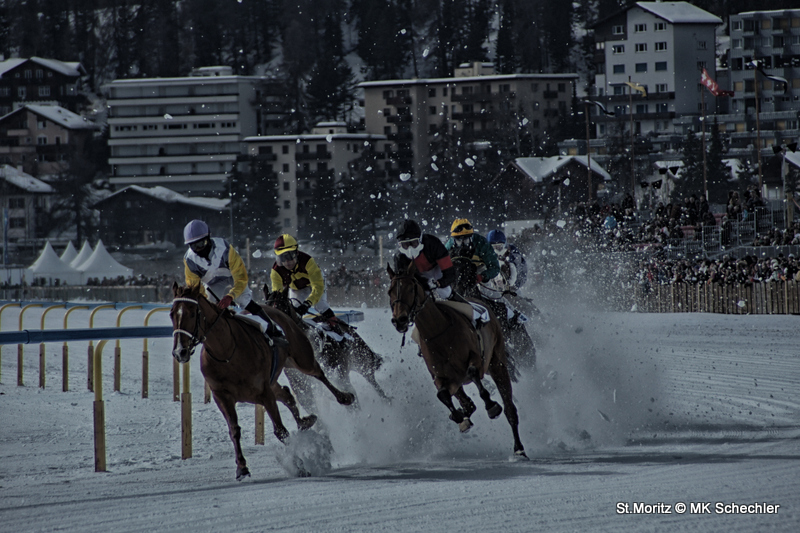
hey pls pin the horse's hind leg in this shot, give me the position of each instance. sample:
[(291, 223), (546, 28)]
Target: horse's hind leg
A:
[(367, 362), (466, 402), (493, 408), (284, 395), (456, 415), (303, 360), (499, 374), (227, 406)]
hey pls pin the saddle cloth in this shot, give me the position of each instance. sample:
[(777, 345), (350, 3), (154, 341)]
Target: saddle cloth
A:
[(258, 322), (327, 330)]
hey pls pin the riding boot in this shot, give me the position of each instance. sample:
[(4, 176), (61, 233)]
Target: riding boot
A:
[(274, 333), (455, 297)]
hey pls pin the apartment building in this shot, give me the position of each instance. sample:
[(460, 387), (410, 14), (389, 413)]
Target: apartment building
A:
[(298, 162), (773, 39), (40, 81), (476, 104), (42, 140), (661, 47), (186, 133)]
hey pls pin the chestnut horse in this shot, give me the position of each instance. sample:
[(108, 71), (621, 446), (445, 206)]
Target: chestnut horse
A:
[(349, 354), (239, 365), (451, 348)]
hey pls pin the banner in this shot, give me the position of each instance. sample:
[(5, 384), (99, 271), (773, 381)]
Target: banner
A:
[(712, 85), (757, 65), (636, 87)]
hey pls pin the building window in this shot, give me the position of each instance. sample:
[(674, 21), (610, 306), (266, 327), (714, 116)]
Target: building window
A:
[(444, 91), (736, 43), (21, 92), (600, 46), (286, 186), (640, 28), (432, 110), (287, 204), (534, 87), (388, 94), (286, 167), (701, 65), (661, 46), (466, 89), (41, 124), (16, 223), (661, 65), (432, 92), (28, 74), (641, 47), (661, 88), (736, 25), (701, 45), (619, 89), (16, 203), (661, 26), (641, 67), (641, 109), (766, 41), (619, 69), (44, 90), (618, 30), (40, 140), (662, 108), (505, 88), (285, 149), (618, 49), (287, 222)]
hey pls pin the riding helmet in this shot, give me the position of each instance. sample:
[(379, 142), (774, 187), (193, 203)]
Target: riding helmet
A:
[(460, 227), (194, 231), (496, 237), (408, 230), (285, 243)]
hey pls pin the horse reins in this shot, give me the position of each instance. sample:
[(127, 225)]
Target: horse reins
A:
[(195, 340), (414, 308)]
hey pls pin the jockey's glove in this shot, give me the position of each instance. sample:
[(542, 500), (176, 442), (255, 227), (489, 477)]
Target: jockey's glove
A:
[(303, 308), (433, 284), (226, 302)]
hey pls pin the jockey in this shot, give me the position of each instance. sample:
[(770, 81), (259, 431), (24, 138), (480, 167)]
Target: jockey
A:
[(429, 255), (464, 242), (217, 268), (510, 255), (300, 273)]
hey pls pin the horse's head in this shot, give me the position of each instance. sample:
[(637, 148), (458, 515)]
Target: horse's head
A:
[(406, 296), (466, 276), (280, 300), (187, 321)]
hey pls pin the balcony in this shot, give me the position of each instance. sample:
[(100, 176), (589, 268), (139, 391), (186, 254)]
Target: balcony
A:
[(312, 156), (405, 118), (399, 101), (312, 174), (484, 97), (266, 157), (638, 96), (550, 95), (401, 136)]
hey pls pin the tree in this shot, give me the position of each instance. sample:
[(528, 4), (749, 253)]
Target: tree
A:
[(691, 180), (331, 86), (254, 196), (717, 172), (505, 56)]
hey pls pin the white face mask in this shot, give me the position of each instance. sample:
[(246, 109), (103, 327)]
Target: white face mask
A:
[(412, 252)]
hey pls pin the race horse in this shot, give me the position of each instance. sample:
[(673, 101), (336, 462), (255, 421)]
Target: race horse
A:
[(347, 353), (519, 345), (454, 351), (240, 366)]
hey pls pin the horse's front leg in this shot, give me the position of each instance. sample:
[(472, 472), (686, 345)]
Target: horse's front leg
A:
[(493, 408), (284, 395), (271, 407), (456, 415), (466, 402), (227, 406)]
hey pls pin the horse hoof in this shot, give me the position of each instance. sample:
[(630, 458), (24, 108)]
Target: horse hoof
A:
[(457, 416), (241, 473), (307, 422), (347, 398), (520, 455), (494, 410), (465, 425)]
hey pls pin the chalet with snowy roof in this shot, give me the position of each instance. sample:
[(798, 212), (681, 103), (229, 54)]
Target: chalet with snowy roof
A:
[(36, 80), (27, 200), (139, 215), (531, 187), (43, 139)]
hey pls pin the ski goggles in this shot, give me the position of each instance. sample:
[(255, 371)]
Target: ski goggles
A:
[(286, 257), (463, 240), (409, 243)]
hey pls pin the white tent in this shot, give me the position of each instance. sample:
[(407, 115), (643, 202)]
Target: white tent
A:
[(69, 253), (83, 255), (49, 266), (101, 265)]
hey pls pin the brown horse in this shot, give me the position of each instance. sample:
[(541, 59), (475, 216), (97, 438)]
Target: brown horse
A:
[(239, 365), (349, 354), (452, 351)]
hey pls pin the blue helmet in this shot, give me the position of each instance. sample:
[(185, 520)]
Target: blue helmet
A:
[(194, 231), (496, 237)]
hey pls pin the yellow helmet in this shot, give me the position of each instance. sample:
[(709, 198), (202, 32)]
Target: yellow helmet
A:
[(285, 243), (461, 226)]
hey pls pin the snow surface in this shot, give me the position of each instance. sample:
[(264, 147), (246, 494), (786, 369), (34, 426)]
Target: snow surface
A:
[(652, 408)]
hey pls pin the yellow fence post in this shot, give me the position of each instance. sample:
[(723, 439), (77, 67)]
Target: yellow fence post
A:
[(186, 415), (65, 351), (259, 424), (146, 354), (99, 410), (90, 362), (118, 350), (3, 308), (41, 345), (20, 349)]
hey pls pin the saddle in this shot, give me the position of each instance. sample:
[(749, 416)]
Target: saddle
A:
[(258, 322)]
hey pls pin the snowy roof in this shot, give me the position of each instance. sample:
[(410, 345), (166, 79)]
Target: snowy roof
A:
[(24, 181), (539, 168), (69, 253), (316, 137), (494, 77), (793, 158), (62, 117), (101, 264), (66, 68), (171, 197), (680, 12), (83, 255)]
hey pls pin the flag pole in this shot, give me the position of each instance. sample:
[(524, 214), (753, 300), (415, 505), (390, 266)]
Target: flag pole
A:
[(588, 154), (703, 126), (633, 163), (758, 132)]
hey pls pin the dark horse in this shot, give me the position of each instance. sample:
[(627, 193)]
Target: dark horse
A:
[(519, 345), (348, 354), (452, 351), (239, 365)]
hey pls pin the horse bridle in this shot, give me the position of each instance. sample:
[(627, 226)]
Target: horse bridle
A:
[(195, 339), (415, 306)]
